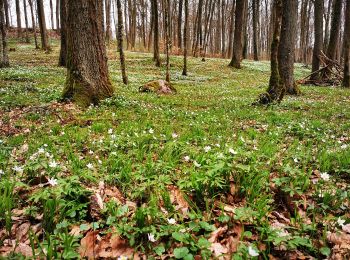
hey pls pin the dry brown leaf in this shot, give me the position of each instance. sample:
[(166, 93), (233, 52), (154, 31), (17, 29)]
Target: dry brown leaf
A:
[(346, 228), (177, 197), (217, 233), (218, 250)]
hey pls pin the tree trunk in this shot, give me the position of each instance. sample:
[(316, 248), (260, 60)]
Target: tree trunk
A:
[(19, 23), (232, 26), (346, 48), (26, 21), (184, 72), (42, 24), (276, 90), (4, 59), (167, 37), (33, 23), (256, 4), (335, 29), (108, 21), (286, 48), (51, 15), (179, 25), (120, 42), (87, 71), (237, 42), (156, 55), (327, 16), (63, 52), (7, 15), (58, 15), (223, 29), (318, 44)]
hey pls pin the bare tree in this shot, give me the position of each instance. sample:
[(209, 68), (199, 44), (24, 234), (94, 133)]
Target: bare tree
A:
[(318, 44), (4, 59), (33, 23), (346, 48), (63, 18), (184, 72), (45, 45), (120, 42)]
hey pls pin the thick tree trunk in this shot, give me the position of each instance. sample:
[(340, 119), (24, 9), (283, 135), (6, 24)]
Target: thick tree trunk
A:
[(120, 42), (4, 59), (33, 23), (42, 24), (335, 30), (26, 21), (87, 71), (156, 54), (346, 48), (7, 15), (184, 72), (286, 50), (238, 35), (19, 23), (318, 44), (58, 4), (63, 52)]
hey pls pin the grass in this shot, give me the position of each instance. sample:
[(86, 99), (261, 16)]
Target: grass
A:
[(235, 164)]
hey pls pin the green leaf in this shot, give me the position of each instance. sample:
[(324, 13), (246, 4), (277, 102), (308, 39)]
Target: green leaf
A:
[(203, 243), (159, 250), (189, 257), (181, 252), (206, 226), (179, 236), (325, 251), (84, 227)]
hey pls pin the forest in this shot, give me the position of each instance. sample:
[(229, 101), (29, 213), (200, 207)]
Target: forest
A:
[(175, 129)]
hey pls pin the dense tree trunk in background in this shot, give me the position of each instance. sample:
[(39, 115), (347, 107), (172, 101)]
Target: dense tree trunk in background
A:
[(303, 31), (120, 42), (151, 27), (184, 71), (232, 26), (199, 33), (7, 15), (63, 18), (33, 23), (208, 27), (223, 29), (26, 21), (237, 42), (276, 90), (4, 59), (87, 71), (108, 21), (318, 44), (245, 32), (256, 4), (167, 37), (179, 25), (335, 30), (156, 54), (346, 48), (58, 4), (19, 23), (286, 49), (51, 15), (327, 16), (42, 24)]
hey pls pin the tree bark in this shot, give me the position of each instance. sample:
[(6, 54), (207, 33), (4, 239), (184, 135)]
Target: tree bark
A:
[(4, 59), (286, 49), (238, 35), (232, 26), (7, 15), (179, 25), (63, 18), (108, 21), (318, 44), (346, 48), (87, 71), (335, 30), (19, 23), (51, 15), (120, 42), (58, 4), (184, 72), (26, 21), (42, 24), (156, 54), (167, 37), (256, 4), (33, 23)]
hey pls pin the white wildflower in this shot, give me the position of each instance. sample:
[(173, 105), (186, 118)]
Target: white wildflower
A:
[(53, 164), (217, 145), (18, 169), (186, 158), (252, 251), (151, 131), (53, 182), (325, 176), (2, 172), (90, 166), (344, 146), (151, 238), (171, 221), (91, 152), (207, 148), (341, 222), (41, 150), (174, 135), (232, 151), (196, 164), (122, 257), (110, 131)]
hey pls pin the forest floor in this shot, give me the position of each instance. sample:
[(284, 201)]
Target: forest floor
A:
[(200, 174)]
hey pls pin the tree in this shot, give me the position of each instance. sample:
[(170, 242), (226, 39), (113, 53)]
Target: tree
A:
[(184, 72), (26, 20), (7, 15), (33, 23), (256, 4), (346, 48), (87, 71), (318, 12), (19, 23), (51, 14), (108, 21), (120, 42), (237, 42), (42, 24), (167, 37), (179, 25), (58, 4), (156, 55), (4, 59), (63, 18), (286, 49)]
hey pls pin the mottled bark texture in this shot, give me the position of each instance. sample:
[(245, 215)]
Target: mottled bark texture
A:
[(156, 55), (63, 18), (4, 59), (286, 49), (238, 35), (45, 45), (318, 44), (33, 23), (120, 42), (346, 51), (184, 71), (87, 72), (167, 38)]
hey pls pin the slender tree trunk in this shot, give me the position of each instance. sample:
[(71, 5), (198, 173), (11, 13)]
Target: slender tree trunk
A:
[(256, 4), (108, 21), (4, 59), (237, 42), (327, 16), (286, 49), (318, 44), (58, 3), (346, 48), (33, 23), (51, 15), (184, 72), (26, 21), (7, 15), (232, 26), (87, 71), (151, 27), (120, 42), (223, 29), (335, 30), (179, 25), (156, 54), (19, 23), (42, 24), (167, 37), (63, 52)]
